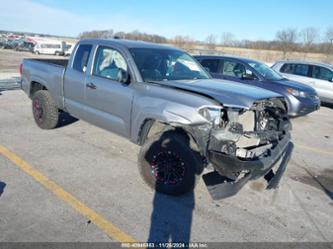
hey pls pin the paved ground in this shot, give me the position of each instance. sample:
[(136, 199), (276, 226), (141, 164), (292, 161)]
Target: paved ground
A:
[(99, 169), (9, 81)]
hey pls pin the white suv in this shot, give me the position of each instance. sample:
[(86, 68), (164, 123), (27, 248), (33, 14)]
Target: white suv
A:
[(317, 75)]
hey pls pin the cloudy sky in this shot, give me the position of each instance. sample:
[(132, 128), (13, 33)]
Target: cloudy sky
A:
[(256, 19)]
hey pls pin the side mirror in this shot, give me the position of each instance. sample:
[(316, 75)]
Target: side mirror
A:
[(123, 76)]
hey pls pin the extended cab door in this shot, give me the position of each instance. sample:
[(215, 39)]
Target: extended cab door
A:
[(75, 81), (109, 101)]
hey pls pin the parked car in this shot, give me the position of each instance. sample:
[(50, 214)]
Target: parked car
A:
[(2, 44), (11, 44), (317, 75), (25, 46), (162, 99), (301, 99)]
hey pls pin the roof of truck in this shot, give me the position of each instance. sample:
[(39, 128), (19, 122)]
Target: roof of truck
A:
[(130, 43)]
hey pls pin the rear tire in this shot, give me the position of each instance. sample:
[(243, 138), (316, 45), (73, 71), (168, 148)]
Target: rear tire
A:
[(168, 164), (44, 109)]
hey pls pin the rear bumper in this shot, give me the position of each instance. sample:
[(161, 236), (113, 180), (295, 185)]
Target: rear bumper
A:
[(220, 187)]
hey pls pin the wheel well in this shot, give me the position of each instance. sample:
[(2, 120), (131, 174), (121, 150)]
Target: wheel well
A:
[(152, 127), (149, 128), (36, 86)]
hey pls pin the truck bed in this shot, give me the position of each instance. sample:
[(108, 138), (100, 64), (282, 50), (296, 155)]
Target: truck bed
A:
[(49, 73), (59, 62)]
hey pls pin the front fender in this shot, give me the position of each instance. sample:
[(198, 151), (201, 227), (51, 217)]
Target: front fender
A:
[(166, 112)]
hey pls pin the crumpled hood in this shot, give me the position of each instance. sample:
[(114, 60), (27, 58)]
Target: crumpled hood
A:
[(228, 93)]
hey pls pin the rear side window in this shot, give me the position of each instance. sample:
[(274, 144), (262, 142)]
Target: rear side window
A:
[(82, 57), (322, 73), (211, 64), (298, 69)]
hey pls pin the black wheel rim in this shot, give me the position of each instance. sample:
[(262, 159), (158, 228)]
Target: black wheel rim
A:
[(167, 167), (38, 110)]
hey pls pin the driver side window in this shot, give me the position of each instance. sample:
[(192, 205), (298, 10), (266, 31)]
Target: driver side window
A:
[(109, 63)]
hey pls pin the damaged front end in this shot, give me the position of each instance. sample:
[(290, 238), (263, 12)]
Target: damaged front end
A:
[(245, 144)]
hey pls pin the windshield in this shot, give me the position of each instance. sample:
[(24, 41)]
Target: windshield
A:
[(265, 71), (166, 64)]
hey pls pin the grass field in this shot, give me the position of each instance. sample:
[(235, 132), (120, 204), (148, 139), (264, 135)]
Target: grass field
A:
[(269, 56)]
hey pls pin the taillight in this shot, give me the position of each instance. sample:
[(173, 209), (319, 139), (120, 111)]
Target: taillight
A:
[(21, 68)]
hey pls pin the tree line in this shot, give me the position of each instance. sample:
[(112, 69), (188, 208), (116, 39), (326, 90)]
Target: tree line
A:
[(134, 35), (287, 40)]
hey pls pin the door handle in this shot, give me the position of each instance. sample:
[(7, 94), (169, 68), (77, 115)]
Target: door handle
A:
[(91, 86)]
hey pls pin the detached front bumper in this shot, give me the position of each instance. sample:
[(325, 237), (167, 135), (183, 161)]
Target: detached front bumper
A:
[(221, 187)]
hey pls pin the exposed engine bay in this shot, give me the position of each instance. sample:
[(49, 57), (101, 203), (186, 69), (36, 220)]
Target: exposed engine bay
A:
[(247, 135)]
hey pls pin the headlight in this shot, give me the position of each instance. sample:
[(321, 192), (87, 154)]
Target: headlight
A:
[(296, 93), (211, 114)]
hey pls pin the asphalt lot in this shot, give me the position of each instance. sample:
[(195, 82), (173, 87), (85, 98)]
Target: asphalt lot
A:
[(99, 169), (81, 183)]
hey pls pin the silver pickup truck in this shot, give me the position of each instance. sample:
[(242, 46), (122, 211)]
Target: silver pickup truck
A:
[(159, 97)]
